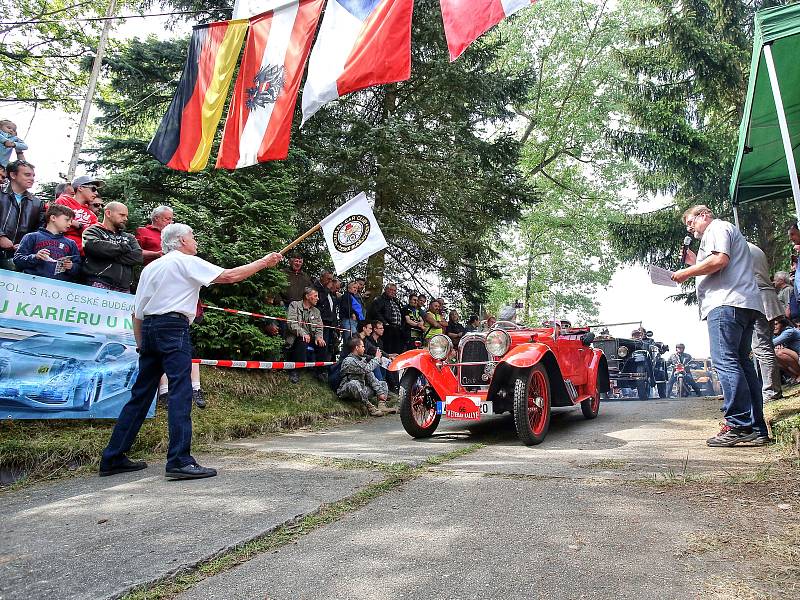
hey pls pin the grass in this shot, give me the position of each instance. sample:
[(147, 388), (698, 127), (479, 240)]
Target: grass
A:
[(240, 404), (287, 533)]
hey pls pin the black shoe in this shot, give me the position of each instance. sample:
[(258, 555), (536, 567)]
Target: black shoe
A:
[(199, 398), (762, 440), (294, 376), (192, 471), (163, 400), (730, 436), (123, 465)]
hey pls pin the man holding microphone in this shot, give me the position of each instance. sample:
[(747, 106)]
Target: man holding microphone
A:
[(165, 306), (731, 303)]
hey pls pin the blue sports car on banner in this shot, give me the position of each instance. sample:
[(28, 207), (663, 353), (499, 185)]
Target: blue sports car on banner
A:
[(70, 371)]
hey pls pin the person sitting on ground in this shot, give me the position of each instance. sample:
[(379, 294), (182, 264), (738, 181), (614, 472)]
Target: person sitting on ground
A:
[(304, 333), (110, 252), (47, 252), (373, 343), (10, 142), (358, 381), (149, 236), (787, 347), (83, 196)]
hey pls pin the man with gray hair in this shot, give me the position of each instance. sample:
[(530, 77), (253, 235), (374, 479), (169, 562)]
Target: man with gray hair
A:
[(782, 282), (165, 306), (111, 252), (149, 236)]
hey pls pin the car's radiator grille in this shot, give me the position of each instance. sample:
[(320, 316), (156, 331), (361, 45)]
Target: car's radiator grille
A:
[(609, 347), (473, 351)]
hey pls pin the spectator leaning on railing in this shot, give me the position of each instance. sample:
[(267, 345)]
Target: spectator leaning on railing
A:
[(111, 253), (47, 252), (20, 211)]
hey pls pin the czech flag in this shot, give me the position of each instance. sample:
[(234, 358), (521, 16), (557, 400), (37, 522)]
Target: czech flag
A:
[(259, 120), (466, 20), (183, 139), (360, 43)]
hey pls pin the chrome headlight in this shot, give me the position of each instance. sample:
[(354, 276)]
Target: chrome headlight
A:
[(498, 342), (622, 351), (440, 346)]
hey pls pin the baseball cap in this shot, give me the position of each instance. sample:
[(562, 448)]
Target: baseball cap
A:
[(85, 180)]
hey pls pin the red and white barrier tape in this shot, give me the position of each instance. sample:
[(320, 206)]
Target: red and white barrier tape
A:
[(256, 364), (233, 311)]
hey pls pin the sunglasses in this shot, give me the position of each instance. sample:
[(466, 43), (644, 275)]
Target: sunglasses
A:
[(98, 205), (91, 188)]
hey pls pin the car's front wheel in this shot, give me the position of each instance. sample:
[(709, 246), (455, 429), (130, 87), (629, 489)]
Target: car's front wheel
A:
[(418, 405), (532, 405)]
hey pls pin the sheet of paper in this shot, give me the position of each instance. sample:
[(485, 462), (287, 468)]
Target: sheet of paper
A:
[(661, 276)]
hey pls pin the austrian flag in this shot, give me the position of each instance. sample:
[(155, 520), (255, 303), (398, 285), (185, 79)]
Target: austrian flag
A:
[(260, 115), (467, 20)]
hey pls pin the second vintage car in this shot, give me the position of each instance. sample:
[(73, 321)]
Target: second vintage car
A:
[(509, 369)]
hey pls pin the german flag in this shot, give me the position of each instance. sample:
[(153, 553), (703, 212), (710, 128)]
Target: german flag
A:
[(183, 140)]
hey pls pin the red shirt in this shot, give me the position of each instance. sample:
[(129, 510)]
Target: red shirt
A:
[(149, 238), (83, 219)]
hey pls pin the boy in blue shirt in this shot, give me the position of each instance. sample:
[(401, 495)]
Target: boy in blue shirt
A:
[(47, 252)]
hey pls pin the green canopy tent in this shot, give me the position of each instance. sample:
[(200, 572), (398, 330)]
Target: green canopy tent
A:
[(766, 158)]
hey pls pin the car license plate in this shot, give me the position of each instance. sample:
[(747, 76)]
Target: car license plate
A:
[(462, 407), (487, 407)]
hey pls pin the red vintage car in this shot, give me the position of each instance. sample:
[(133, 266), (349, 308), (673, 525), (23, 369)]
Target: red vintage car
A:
[(511, 368)]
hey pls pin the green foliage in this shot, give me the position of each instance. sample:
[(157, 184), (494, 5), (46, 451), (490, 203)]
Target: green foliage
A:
[(558, 252), (42, 62), (687, 68)]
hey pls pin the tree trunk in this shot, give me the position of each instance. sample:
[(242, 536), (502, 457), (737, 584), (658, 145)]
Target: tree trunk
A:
[(376, 264)]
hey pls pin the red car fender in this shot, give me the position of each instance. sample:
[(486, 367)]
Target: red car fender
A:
[(598, 374), (524, 357), (443, 381)]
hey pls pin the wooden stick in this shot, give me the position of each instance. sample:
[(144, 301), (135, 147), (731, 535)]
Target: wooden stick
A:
[(311, 231)]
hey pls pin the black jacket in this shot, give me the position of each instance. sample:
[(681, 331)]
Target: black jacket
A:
[(110, 256), (18, 218), (381, 309), (329, 317)]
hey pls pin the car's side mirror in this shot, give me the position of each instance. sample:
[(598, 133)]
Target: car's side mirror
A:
[(587, 338)]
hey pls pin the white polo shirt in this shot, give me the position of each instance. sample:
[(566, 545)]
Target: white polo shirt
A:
[(172, 284)]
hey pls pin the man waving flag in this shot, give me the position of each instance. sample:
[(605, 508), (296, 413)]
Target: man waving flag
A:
[(360, 43), (467, 20)]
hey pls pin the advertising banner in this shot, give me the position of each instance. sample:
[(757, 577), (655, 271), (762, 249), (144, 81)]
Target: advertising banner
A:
[(67, 351)]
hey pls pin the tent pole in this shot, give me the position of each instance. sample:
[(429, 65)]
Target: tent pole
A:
[(787, 141), (736, 217)]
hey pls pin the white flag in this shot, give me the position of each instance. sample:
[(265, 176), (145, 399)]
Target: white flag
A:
[(352, 233)]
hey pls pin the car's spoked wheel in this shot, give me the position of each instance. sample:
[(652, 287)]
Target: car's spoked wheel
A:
[(418, 405), (532, 405), (591, 406)]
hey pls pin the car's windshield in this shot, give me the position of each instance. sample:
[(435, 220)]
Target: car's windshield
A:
[(45, 345)]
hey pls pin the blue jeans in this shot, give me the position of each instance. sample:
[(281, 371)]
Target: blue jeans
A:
[(730, 331), (166, 348)]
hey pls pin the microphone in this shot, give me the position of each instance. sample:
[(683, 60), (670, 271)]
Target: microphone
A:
[(685, 248)]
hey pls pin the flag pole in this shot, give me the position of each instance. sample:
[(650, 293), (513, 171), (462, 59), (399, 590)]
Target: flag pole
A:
[(311, 231)]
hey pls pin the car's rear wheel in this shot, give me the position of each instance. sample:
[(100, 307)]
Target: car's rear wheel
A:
[(591, 406), (418, 405), (532, 405)]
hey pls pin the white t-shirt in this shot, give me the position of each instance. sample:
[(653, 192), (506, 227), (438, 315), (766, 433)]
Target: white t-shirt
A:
[(735, 285), (172, 284)]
